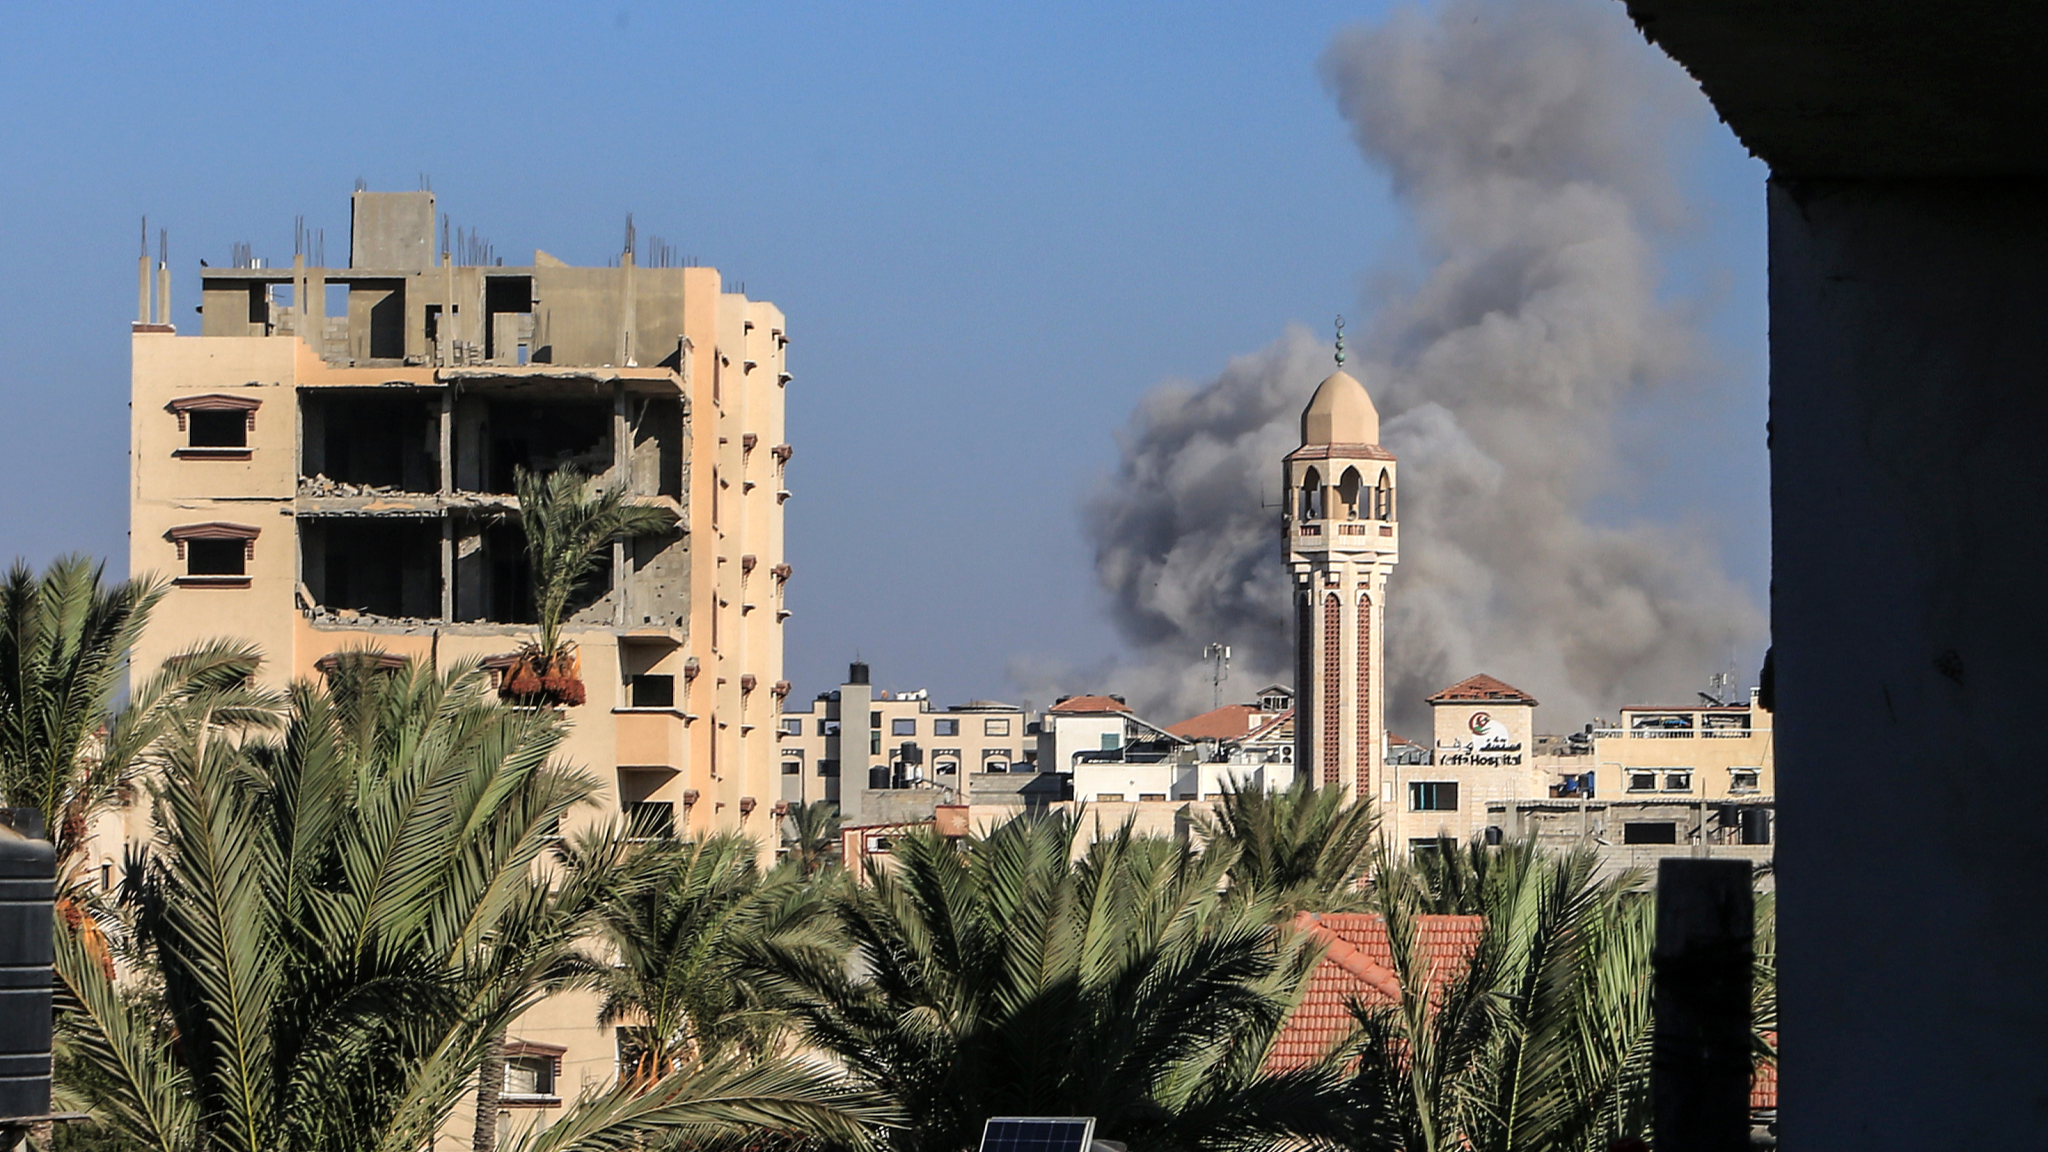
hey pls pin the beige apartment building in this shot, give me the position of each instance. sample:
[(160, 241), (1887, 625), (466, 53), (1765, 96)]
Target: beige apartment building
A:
[(1672, 780), (327, 466), (888, 757)]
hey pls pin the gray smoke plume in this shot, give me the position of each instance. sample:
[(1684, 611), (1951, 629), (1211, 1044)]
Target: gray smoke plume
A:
[(1527, 140)]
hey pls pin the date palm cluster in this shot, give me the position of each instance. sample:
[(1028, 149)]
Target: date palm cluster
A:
[(351, 892)]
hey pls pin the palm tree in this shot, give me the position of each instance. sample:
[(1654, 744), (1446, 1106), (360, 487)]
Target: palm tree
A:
[(65, 638), (1003, 979), (336, 924), (1542, 1041), (1301, 849), (671, 919), (567, 525), (64, 643), (813, 836)]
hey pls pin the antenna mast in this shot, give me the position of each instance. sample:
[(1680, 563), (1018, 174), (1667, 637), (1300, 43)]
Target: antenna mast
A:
[(1218, 656)]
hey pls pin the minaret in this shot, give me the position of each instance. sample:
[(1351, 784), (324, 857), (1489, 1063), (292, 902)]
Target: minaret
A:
[(1342, 541)]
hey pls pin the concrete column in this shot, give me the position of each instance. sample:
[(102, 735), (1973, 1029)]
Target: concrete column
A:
[(1909, 416), (626, 352), (622, 475), (445, 431)]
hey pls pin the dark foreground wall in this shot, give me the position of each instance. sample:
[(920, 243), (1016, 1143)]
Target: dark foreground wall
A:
[(1909, 410)]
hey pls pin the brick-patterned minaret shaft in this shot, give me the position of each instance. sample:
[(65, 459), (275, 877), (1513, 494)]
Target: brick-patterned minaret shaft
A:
[(1342, 541)]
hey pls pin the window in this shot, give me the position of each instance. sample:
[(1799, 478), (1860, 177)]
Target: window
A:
[(653, 691), (1110, 797), (793, 725), (217, 430), (1425, 846), (1658, 833), (1642, 781), (214, 558), (1151, 795), (874, 719), (529, 1078), (215, 425), (996, 727), (945, 727), (874, 743), (633, 1046), (828, 767), (995, 765), (1745, 779), (905, 727), (651, 820), (215, 553), (828, 728), (1111, 741), (1680, 781), (792, 767), (1432, 796), (946, 767)]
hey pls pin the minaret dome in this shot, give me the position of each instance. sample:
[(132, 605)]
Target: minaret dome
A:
[(1340, 413)]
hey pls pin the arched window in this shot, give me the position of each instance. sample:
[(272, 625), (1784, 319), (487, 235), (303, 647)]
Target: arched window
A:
[(1383, 498), (1311, 507), (1347, 493)]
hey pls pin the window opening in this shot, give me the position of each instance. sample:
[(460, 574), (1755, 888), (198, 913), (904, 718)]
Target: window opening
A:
[(1649, 833), (1432, 796), (218, 429), (215, 557), (651, 820), (654, 690)]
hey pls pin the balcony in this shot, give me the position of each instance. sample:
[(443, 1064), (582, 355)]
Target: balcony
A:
[(651, 737), (1378, 535)]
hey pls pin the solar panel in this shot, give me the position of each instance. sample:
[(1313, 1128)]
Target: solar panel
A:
[(1038, 1134)]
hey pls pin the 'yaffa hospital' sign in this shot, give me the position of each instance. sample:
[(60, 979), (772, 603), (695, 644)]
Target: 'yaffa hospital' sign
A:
[(1491, 745)]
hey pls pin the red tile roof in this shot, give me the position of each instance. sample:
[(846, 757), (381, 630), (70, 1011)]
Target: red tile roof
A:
[(1763, 1083), (1090, 704), (1482, 689), (1225, 723), (1359, 965)]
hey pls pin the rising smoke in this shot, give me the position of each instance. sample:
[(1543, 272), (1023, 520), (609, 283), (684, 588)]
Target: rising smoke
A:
[(1527, 142)]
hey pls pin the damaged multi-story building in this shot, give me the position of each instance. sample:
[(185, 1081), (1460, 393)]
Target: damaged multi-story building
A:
[(328, 466)]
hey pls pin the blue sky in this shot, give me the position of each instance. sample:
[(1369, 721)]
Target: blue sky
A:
[(992, 226)]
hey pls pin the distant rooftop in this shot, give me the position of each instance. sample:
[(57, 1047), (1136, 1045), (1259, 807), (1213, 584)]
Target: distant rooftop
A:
[(1090, 704), (1482, 689)]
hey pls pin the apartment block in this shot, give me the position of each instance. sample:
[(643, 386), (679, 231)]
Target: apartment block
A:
[(1665, 780), (328, 466), (890, 756)]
